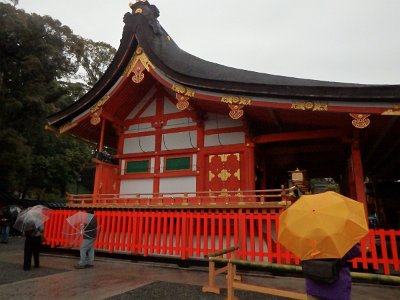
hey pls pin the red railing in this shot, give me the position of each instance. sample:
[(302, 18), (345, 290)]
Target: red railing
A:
[(195, 233), (272, 196)]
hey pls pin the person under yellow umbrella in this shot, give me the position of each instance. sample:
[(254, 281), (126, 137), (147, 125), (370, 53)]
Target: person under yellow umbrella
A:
[(322, 230)]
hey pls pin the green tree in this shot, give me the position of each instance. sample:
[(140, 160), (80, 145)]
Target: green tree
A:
[(39, 62), (97, 57), (14, 2)]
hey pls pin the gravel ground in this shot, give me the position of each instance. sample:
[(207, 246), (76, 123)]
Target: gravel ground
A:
[(11, 272), (174, 291), (11, 269), (120, 279)]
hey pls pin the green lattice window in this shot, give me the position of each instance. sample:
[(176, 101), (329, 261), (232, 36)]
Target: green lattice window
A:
[(177, 163), (138, 166)]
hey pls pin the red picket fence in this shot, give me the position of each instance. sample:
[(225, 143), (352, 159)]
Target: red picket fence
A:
[(193, 234)]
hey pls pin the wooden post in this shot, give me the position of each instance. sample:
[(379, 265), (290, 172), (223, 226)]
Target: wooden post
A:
[(229, 282), (212, 272), (211, 287)]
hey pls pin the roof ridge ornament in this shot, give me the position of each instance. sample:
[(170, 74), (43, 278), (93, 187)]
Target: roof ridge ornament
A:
[(149, 11)]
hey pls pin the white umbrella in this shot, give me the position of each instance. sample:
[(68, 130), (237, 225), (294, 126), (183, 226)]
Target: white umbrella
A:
[(32, 218), (76, 226)]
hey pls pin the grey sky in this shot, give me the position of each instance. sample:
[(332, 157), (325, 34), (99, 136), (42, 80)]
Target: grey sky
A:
[(336, 40)]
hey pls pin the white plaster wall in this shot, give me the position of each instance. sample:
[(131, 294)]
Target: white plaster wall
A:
[(152, 161), (123, 162), (181, 122), (131, 187), (142, 103), (162, 160), (179, 140), (178, 184), (150, 110), (139, 145), (215, 121), (194, 162), (169, 106), (224, 139), (142, 127)]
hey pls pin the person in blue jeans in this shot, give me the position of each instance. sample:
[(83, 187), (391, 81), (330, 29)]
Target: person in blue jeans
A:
[(5, 223), (89, 234)]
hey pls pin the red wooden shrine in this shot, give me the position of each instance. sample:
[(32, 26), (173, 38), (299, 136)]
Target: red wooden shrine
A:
[(179, 135)]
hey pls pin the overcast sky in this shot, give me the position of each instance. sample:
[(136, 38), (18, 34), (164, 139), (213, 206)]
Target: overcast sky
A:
[(335, 40)]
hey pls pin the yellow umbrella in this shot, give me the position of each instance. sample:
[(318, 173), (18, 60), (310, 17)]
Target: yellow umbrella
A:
[(323, 225)]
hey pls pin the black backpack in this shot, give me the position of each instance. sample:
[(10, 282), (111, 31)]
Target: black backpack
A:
[(322, 270)]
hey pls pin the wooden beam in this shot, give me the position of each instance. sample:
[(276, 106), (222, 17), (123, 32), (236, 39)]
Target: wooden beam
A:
[(101, 142), (298, 135), (315, 148), (112, 119)]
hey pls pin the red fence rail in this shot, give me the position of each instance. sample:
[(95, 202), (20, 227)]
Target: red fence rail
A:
[(195, 233), (273, 196)]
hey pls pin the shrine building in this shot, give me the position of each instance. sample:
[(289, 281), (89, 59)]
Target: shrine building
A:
[(173, 131)]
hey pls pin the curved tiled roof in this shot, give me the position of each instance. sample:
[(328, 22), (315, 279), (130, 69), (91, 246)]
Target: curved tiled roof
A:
[(192, 71), (142, 29)]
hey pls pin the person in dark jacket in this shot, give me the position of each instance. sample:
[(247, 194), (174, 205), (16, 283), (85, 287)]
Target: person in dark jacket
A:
[(340, 289), (33, 239), (89, 234)]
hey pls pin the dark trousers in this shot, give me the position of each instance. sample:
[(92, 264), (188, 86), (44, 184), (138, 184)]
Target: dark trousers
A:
[(32, 247)]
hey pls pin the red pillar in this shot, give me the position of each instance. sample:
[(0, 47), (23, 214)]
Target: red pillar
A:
[(200, 173), (250, 163), (358, 174), (99, 168), (158, 125), (101, 142)]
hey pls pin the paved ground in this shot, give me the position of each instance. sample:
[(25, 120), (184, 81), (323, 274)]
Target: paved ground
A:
[(127, 279)]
